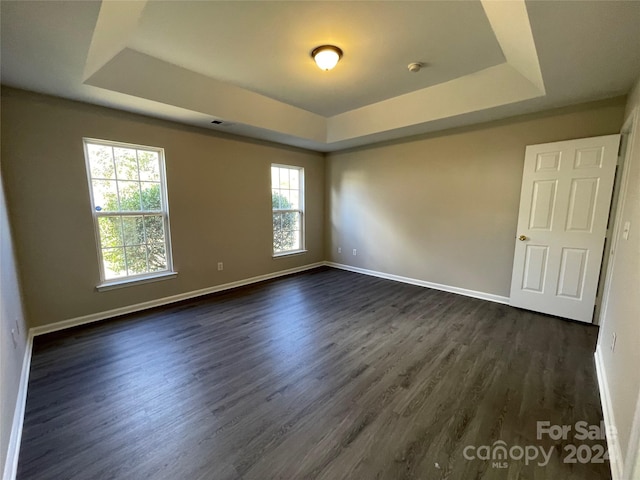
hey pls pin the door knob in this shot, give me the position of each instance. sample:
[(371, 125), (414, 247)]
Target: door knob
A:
[(522, 238)]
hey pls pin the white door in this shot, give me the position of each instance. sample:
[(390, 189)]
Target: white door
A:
[(564, 208)]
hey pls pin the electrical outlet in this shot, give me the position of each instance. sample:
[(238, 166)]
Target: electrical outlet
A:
[(625, 230), (613, 342), (220, 266), (355, 252), (13, 337), (339, 249)]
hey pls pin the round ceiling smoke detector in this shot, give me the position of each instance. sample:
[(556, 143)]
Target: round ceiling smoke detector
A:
[(415, 67)]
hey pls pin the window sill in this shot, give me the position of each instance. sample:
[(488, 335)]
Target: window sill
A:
[(288, 254), (113, 284)]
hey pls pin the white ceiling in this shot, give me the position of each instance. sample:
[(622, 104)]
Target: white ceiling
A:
[(248, 63), (236, 42)]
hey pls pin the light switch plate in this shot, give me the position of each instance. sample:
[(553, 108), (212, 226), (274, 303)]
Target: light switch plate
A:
[(625, 230)]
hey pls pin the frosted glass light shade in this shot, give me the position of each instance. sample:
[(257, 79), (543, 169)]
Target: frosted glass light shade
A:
[(326, 56)]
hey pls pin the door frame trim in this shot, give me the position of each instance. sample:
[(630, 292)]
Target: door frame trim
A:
[(621, 467), (627, 129)]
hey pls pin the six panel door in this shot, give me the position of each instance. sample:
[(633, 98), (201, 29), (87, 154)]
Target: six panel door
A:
[(562, 222)]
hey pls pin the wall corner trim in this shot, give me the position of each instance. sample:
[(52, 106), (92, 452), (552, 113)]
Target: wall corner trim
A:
[(613, 444), (422, 283), (15, 437)]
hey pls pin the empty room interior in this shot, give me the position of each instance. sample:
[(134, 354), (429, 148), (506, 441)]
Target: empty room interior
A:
[(310, 239)]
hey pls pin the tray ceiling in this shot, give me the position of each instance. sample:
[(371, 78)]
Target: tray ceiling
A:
[(248, 63)]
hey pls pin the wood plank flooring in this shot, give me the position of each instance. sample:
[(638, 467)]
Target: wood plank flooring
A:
[(322, 375)]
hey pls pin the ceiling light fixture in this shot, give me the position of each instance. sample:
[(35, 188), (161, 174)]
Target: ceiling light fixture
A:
[(326, 56)]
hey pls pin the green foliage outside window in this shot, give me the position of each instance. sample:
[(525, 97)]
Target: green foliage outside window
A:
[(126, 185), (285, 225), (133, 244)]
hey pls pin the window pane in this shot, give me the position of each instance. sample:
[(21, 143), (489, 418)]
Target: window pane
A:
[(283, 199), (101, 161), (275, 177), (281, 241), (294, 179), (129, 195), (285, 231), (294, 199), (157, 257), (284, 178), (114, 263), (105, 196), (290, 221), (296, 240), (151, 196), (110, 231), (136, 260), (154, 229), (126, 163), (275, 198), (133, 230), (149, 166)]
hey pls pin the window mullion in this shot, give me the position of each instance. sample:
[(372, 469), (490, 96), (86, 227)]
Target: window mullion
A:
[(129, 212), (287, 210), (126, 258), (139, 184)]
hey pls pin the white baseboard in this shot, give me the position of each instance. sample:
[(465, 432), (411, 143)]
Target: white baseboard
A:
[(95, 317), (13, 451), (11, 465), (422, 283), (613, 444)]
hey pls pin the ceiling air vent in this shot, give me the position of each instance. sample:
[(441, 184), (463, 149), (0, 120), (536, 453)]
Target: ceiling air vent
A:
[(217, 122)]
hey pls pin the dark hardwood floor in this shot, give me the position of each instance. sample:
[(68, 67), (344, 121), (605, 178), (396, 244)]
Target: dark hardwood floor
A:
[(326, 374)]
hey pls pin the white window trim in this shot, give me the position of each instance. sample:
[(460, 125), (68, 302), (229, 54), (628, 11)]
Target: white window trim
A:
[(289, 253), (137, 280), (301, 210), (113, 283)]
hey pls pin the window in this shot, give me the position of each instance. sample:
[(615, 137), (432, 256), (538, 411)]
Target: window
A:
[(129, 204), (287, 200)]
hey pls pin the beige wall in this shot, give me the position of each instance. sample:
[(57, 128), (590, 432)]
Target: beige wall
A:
[(443, 208), (621, 313), (11, 317), (219, 202), (440, 208)]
